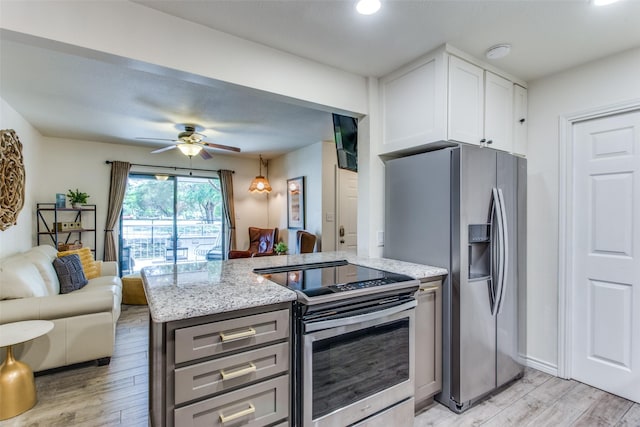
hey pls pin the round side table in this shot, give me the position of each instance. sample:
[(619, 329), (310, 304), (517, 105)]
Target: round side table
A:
[(17, 385)]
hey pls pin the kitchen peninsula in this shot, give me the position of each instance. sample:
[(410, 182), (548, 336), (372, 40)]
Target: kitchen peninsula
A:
[(221, 338)]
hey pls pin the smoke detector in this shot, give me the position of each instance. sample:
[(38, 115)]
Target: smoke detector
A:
[(498, 51)]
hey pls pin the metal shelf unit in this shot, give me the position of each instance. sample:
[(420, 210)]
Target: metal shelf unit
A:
[(48, 215)]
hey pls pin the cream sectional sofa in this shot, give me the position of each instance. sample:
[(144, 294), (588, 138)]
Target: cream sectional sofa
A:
[(84, 320)]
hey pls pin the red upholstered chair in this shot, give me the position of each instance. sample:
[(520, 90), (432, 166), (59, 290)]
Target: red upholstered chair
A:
[(306, 242), (261, 243)]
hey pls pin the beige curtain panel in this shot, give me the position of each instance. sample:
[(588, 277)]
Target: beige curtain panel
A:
[(226, 187), (118, 186)]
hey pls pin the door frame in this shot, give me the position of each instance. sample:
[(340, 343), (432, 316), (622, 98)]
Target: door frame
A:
[(565, 216), (338, 203)]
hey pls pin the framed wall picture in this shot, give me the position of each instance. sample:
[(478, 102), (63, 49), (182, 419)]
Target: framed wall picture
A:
[(12, 178), (61, 200), (295, 203)]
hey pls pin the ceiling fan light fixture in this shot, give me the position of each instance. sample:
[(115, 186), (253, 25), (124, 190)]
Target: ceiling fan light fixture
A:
[(498, 51), (260, 184), (368, 7), (189, 149)]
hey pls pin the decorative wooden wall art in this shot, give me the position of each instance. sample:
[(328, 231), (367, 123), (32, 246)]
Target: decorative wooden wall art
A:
[(12, 178)]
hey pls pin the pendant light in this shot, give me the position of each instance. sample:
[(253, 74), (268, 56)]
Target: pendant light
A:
[(260, 184)]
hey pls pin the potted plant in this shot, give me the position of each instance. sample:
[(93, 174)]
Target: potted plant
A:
[(77, 198), (281, 248)]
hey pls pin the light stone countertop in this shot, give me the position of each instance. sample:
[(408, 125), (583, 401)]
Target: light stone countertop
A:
[(183, 291)]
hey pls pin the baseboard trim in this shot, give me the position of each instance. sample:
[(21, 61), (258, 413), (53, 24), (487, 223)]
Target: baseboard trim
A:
[(541, 365)]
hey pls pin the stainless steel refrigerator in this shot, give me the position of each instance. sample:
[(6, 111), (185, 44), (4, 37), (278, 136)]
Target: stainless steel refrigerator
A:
[(464, 208)]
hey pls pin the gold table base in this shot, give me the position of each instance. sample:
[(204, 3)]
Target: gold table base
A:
[(17, 387)]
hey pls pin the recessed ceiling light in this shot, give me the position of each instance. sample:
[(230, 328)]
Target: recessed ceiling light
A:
[(498, 51), (603, 2), (368, 7)]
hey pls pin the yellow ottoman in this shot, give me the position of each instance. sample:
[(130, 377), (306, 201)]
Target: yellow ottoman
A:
[(132, 290)]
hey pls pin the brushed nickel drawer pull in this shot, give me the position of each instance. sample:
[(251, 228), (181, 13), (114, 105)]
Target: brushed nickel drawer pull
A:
[(240, 372), (238, 335), (250, 410), (429, 289)]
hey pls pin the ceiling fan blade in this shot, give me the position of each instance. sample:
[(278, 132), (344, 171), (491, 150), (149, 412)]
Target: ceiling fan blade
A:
[(221, 147), (160, 150), (158, 139), (205, 155)]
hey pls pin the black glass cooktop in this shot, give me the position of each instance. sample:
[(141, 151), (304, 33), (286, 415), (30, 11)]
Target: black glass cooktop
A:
[(329, 277)]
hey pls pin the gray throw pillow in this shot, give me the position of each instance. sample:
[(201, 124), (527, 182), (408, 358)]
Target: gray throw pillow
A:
[(70, 273)]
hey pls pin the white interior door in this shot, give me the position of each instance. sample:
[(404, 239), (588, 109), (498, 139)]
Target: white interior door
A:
[(605, 330), (347, 198)]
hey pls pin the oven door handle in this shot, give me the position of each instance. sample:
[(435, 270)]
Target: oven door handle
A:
[(378, 314)]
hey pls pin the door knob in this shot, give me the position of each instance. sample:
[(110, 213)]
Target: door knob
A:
[(341, 232)]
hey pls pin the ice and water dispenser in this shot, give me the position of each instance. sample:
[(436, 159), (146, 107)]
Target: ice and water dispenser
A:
[(479, 251)]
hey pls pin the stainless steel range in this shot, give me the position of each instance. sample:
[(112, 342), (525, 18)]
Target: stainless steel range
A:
[(353, 343)]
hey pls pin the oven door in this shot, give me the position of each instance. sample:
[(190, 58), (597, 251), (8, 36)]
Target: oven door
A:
[(359, 368)]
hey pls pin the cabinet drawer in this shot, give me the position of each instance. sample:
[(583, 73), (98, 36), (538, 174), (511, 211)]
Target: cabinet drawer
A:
[(217, 338), (401, 414), (254, 406), (206, 378)]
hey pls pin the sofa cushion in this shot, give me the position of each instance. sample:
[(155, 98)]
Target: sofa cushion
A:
[(47, 250), (19, 278), (89, 265), (70, 274), (104, 282), (44, 264)]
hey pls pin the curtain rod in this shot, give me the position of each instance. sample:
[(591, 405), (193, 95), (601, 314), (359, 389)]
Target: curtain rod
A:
[(108, 162)]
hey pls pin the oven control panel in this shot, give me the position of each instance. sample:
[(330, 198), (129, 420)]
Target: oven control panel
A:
[(362, 285)]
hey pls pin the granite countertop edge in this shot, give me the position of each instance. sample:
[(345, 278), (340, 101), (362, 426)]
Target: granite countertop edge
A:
[(191, 290)]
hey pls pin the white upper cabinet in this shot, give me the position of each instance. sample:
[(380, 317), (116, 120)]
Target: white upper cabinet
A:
[(480, 106), (413, 105), (520, 120), (466, 102), (498, 112), (448, 96)]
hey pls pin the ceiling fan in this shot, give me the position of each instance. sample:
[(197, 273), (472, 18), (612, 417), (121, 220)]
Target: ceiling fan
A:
[(190, 142)]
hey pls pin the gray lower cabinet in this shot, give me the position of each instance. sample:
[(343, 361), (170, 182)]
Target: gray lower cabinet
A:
[(230, 369), (210, 339), (217, 375), (428, 359), (258, 405)]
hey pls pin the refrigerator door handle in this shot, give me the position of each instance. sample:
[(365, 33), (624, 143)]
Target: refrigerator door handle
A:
[(505, 251), (496, 251), (496, 286)]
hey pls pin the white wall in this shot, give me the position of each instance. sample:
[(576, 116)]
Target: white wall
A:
[(18, 238), (327, 242), (131, 30), (597, 84), (307, 162), (81, 164), (370, 177)]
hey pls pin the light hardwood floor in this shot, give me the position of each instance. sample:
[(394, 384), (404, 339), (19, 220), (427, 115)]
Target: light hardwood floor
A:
[(116, 395)]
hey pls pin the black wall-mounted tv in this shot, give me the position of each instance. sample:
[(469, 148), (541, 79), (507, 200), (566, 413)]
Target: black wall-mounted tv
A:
[(345, 130)]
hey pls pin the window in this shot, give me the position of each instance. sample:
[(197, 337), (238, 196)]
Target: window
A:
[(178, 219)]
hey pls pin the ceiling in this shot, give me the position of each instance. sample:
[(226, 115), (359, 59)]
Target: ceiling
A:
[(64, 94)]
